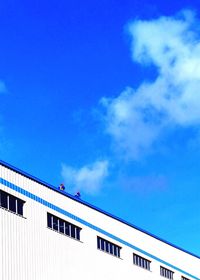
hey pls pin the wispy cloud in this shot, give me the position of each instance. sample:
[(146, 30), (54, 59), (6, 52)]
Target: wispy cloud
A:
[(137, 119), (88, 178)]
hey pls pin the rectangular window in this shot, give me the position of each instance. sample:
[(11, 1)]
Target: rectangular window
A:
[(55, 223), (20, 204), (11, 202), (184, 278), (63, 226), (142, 262), (108, 247), (4, 199), (166, 272)]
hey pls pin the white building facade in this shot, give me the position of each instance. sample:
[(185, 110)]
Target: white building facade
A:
[(48, 234)]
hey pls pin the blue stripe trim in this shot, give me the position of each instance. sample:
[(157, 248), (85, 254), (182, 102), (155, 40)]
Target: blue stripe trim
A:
[(76, 218)]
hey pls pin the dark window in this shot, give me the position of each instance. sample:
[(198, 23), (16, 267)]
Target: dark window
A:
[(4, 199), (63, 226), (166, 272), (20, 204), (49, 220), (98, 243), (111, 248), (142, 262), (108, 247), (116, 251), (102, 244), (67, 228), (78, 233), (55, 223), (11, 202), (73, 232)]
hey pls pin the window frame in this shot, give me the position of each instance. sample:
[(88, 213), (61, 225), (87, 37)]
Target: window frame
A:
[(167, 273), (141, 262), (69, 229), (13, 203), (108, 247)]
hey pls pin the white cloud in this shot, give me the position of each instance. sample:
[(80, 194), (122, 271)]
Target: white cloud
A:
[(88, 178), (137, 118)]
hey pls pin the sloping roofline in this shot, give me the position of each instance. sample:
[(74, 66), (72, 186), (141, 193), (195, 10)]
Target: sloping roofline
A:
[(25, 174)]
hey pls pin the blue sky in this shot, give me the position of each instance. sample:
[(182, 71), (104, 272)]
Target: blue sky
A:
[(104, 96)]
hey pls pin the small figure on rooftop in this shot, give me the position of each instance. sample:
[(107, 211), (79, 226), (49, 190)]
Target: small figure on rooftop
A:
[(62, 187), (78, 195)]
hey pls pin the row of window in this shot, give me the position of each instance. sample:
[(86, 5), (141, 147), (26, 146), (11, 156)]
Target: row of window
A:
[(63, 226), (15, 205), (142, 262), (166, 272), (11, 203), (108, 247), (73, 231)]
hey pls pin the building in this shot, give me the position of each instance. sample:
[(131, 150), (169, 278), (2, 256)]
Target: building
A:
[(47, 234)]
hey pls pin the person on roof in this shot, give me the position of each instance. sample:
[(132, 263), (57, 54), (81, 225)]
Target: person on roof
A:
[(62, 187), (78, 195)]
